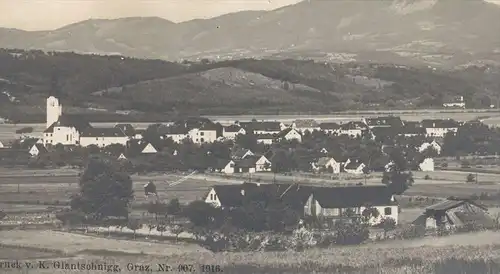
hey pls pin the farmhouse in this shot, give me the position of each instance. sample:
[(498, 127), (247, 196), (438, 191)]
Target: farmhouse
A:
[(103, 137), (230, 132), (289, 134), (266, 139), (327, 164), (207, 133), (439, 128), (455, 212), (337, 202), (263, 127), (388, 121), (330, 128), (241, 153), (37, 149), (435, 145), (259, 162), (302, 126), (352, 129), (354, 166), (224, 166)]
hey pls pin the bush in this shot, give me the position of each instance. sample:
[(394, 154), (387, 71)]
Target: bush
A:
[(470, 178), (427, 177)]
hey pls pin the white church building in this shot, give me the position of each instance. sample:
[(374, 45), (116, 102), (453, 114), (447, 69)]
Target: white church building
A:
[(73, 130)]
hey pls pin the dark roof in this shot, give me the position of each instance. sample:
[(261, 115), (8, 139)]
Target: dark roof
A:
[(265, 136), (210, 126), (239, 153), (103, 132), (326, 126), (439, 123), (412, 130), (452, 203), (244, 163), (352, 196), (230, 195), (306, 123), (75, 121), (353, 164), (40, 148), (353, 125), (220, 163), (28, 142), (232, 128), (261, 126), (174, 130), (392, 121), (128, 129), (284, 132)]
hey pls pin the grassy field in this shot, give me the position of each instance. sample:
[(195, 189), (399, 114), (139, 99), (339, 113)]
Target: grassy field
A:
[(450, 255)]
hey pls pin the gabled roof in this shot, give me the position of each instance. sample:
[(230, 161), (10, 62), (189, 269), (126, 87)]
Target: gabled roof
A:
[(221, 163), (353, 125), (232, 128), (244, 163), (41, 148), (103, 132), (329, 126), (210, 126), (352, 196), (412, 130), (440, 123), (240, 153), (451, 203), (306, 123), (78, 122), (353, 164), (284, 132), (261, 126), (174, 130), (323, 161)]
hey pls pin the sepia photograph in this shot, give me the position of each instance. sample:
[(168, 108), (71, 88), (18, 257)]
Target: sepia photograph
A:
[(250, 136)]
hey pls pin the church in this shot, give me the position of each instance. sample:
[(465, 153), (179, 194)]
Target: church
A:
[(74, 130)]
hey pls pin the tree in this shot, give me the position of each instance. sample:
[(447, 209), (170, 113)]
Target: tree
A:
[(470, 178), (368, 213), (2, 215), (134, 224), (387, 224), (161, 227), (200, 213), (176, 230), (173, 207), (104, 191)]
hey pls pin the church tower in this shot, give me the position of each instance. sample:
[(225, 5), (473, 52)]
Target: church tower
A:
[(54, 110)]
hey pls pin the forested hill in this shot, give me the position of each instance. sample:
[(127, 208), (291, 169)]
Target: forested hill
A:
[(103, 86)]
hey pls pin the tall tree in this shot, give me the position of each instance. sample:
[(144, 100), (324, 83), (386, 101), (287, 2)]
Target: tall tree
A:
[(104, 190)]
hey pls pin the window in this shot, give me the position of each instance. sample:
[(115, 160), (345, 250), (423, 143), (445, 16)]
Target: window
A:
[(202, 133), (202, 140), (215, 196), (67, 137), (211, 197), (387, 211)]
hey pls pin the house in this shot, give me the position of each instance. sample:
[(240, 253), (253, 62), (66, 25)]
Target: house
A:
[(229, 196), (426, 165), (241, 153), (224, 166), (330, 128), (308, 125), (148, 148), (207, 133), (324, 151), (387, 121), (263, 127), (434, 145), (354, 166), (352, 129), (37, 149), (260, 162), (335, 202), (327, 164), (457, 102), (455, 212), (230, 132), (411, 131), (103, 137), (246, 165), (177, 133), (266, 139), (122, 156), (289, 134), (439, 128)]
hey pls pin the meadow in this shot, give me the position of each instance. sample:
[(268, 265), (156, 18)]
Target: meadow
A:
[(476, 253)]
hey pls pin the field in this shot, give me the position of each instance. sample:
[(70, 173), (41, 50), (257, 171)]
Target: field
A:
[(450, 255), (446, 255)]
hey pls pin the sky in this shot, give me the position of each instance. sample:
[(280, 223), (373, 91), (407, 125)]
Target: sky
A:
[(52, 14)]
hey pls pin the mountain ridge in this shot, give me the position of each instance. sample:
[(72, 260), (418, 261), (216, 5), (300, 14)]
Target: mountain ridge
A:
[(414, 32)]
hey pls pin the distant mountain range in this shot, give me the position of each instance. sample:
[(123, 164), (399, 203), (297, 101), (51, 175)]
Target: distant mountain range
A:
[(414, 32)]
